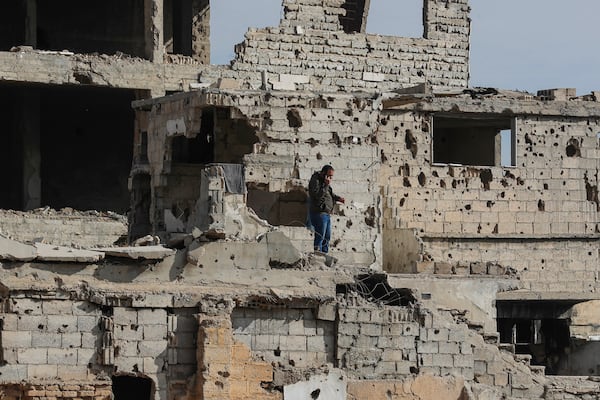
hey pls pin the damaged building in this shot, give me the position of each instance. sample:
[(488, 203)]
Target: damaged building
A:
[(153, 239)]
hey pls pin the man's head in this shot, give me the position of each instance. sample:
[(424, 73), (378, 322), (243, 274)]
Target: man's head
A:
[(327, 173)]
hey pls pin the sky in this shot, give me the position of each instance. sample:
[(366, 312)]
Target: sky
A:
[(515, 44)]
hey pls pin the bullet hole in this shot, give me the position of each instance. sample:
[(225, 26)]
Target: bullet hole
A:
[(591, 192), (219, 384), (435, 174), (520, 181), (348, 112), (383, 157), (490, 204), (294, 119), (486, 177), (315, 394), (422, 179), (454, 183), (545, 186), (406, 182), (573, 149), (411, 142), (406, 169), (41, 327), (495, 231), (479, 228), (277, 352), (312, 142), (468, 207), (267, 118), (402, 200), (414, 370), (336, 242), (451, 171), (442, 184), (348, 224), (370, 217), (335, 139), (541, 205), (232, 257), (319, 156), (509, 174)]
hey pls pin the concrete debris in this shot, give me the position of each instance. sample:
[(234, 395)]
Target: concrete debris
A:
[(48, 252), (154, 252), (15, 251)]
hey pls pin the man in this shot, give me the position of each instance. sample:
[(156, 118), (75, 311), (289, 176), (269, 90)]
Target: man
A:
[(322, 200)]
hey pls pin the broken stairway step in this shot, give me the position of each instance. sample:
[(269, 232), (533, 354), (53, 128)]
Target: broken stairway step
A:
[(137, 252)]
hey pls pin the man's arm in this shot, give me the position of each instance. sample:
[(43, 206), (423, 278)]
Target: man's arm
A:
[(316, 190)]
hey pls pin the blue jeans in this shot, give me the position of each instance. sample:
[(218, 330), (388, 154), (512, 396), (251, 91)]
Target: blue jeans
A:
[(322, 226)]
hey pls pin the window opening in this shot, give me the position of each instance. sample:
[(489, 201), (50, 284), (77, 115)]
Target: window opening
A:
[(178, 26), (473, 140), (396, 18), (126, 387), (227, 28), (354, 20), (279, 208)]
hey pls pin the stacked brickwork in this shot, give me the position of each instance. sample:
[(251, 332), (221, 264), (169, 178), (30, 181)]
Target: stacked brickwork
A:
[(311, 51), (88, 390), (391, 342), (539, 218), (285, 335)]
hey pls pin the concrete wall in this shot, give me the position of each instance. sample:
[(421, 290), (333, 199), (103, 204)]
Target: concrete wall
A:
[(540, 217)]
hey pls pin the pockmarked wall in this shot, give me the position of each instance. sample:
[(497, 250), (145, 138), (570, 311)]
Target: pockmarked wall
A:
[(538, 217)]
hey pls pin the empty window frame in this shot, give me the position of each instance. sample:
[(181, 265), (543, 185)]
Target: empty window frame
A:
[(395, 18), (471, 139)]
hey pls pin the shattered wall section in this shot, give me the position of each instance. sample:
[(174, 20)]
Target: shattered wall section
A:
[(311, 51), (297, 135), (466, 217)]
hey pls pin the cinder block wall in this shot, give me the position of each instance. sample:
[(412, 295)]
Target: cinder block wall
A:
[(540, 217), (310, 50)]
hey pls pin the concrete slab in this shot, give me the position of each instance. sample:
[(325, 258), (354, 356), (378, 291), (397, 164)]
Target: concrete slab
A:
[(48, 252), (138, 252), (16, 251)]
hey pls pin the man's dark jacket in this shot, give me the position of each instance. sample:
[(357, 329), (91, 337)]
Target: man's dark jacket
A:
[(321, 195)]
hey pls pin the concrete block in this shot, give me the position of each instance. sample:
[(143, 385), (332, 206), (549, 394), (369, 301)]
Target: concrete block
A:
[(152, 348), (85, 308), (124, 316), (153, 300), (373, 77), (86, 356), (13, 339), (443, 268), (57, 307), (42, 372), (25, 306), (70, 340), (156, 332), (87, 323), (443, 360), (62, 356), (152, 317), (32, 356), (89, 340), (370, 329), (327, 312), (46, 339), (62, 323), (129, 332), (13, 373), (72, 373), (293, 343)]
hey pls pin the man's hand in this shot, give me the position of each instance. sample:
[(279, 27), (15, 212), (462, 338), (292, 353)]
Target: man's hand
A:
[(341, 200)]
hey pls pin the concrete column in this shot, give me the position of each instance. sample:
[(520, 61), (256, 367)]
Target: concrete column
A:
[(31, 23), (200, 31), (154, 28), (29, 130)]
